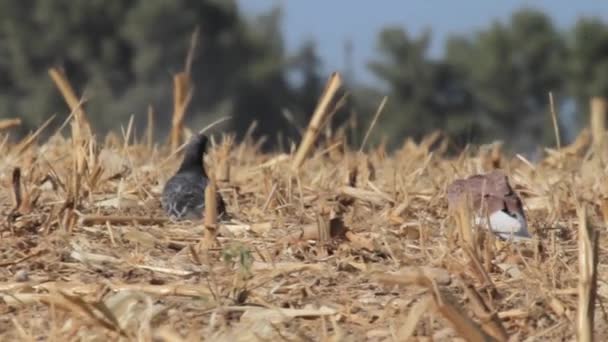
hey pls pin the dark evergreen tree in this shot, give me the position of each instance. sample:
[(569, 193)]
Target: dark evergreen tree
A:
[(122, 55), (424, 94), (509, 70), (587, 63)]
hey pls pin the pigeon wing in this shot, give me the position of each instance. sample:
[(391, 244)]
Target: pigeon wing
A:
[(184, 196)]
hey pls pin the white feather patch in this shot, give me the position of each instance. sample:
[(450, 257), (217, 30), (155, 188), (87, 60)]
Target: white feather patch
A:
[(506, 226)]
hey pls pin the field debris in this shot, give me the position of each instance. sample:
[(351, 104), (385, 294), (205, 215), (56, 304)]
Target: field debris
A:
[(328, 243)]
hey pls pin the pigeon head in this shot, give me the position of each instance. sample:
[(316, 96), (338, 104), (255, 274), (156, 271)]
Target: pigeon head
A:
[(193, 155)]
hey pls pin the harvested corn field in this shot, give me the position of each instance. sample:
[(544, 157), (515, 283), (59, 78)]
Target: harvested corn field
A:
[(326, 243)]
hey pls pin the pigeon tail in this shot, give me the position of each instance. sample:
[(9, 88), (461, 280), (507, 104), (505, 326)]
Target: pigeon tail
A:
[(193, 156)]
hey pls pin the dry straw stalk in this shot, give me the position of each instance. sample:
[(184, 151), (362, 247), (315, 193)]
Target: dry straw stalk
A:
[(9, 123), (599, 106), (319, 115), (588, 243)]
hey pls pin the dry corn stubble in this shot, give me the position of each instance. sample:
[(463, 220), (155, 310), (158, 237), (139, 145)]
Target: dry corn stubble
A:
[(317, 255)]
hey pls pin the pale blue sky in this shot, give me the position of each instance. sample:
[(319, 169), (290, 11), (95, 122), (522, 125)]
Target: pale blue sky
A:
[(330, 22)]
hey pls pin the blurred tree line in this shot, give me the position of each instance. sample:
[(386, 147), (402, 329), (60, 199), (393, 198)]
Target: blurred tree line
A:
[(494, 83), (490, 84)]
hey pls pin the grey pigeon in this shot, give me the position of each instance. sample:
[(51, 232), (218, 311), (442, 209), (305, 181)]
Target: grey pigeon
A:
[(183, 196)]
